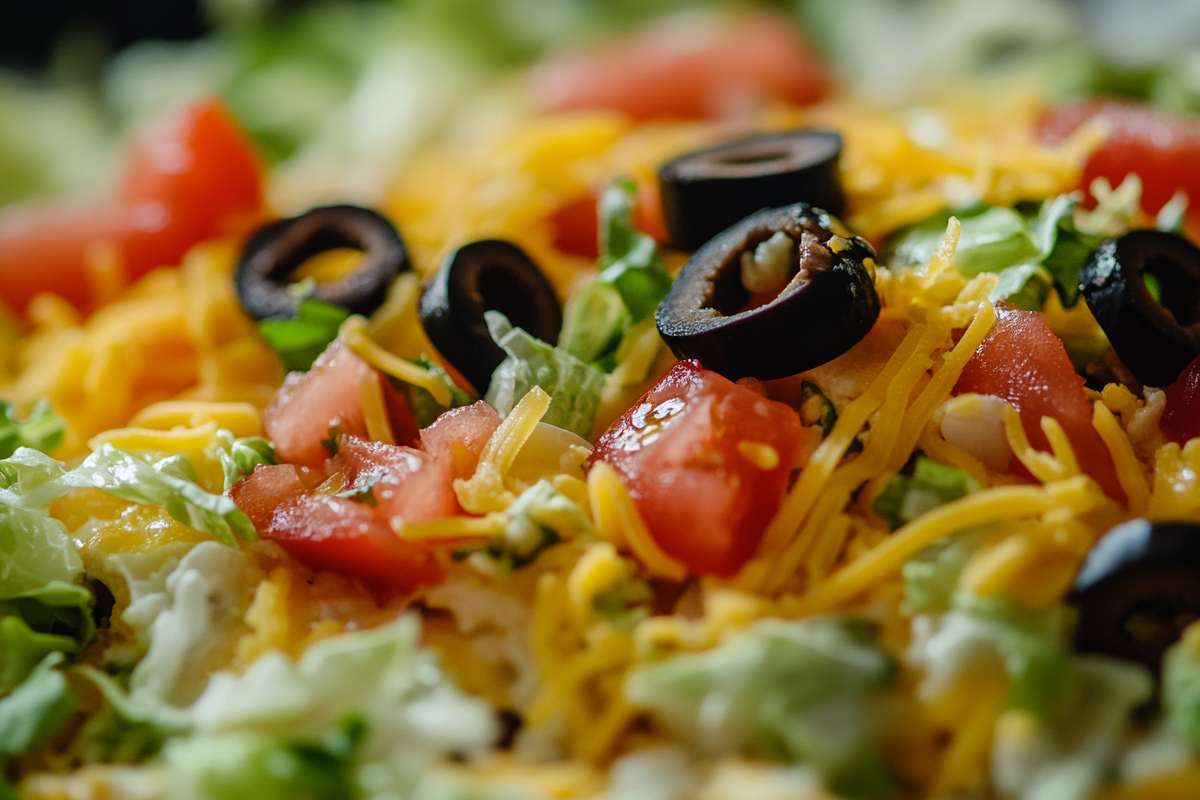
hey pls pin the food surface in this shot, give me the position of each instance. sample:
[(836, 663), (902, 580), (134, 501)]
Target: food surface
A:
[(646, 411)]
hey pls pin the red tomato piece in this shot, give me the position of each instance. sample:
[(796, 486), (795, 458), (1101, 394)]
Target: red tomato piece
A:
[(687, 68), (1022, 362), (193, 179), (311, 407), (576, 227), (1181, 416), (1161, 147), (405, 483), (707, 462), (457, 437), (331, 533)]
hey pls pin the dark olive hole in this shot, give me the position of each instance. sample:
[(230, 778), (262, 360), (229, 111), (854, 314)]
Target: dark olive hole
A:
[(510, 297), (728, 295), (1157, 624), (1179, 291)]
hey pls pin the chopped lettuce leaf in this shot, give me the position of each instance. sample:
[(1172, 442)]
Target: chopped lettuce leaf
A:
[(540, 518), (56, 616), (35, 550), (624, 605), (574, 387), (36, 708), (41, 430), (239, 457), (793, 691), (904, 499), (1068, 754), (594, 321), (240, 765), (1031, 647), (22, 649), (629, 258), (299, 340), (130, 478), (1181, 688), (931, 577), (1030, 253)]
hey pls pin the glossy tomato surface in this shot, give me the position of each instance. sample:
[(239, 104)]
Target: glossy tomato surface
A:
[(341, 534), (687, 68), (404, 483), (192, 179), (1022, 362), (313, 408), (1162, 147), (707, 462), (1181, 416), (457, 437)]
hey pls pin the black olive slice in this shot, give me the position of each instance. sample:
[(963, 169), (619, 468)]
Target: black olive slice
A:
[(1138, 589), (1155, 339), (827, 305), (489, 275), (705, 192), (280, 247)]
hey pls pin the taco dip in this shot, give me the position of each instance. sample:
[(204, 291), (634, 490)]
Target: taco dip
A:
[(404, 402)]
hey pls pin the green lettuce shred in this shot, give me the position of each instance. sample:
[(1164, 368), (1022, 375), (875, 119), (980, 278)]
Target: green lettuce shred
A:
[(300, 339), (35, 709), (904, 499), (239, 457), (799, 692), (574, 387), (425, 406), (1181, 688), (41, 430)]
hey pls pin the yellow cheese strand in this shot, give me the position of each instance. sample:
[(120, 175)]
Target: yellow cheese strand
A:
[(1129, 470), (619, 521), (240, 419), (354, 333), (177, 440), (485, 491), (370, 397)]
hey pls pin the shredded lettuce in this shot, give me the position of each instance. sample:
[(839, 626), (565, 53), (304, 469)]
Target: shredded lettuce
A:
[(54, 617), (931, 577), (904, 499), (792, 691), (300, 339), (632, 283), (36, 708), (41, 430), (424, 405), (1181, 688), (239, 457), (574, 387), (1031, 253), (624, 605)]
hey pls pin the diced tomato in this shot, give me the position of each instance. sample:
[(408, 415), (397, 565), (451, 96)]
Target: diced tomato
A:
[(457, 437), (1163, 148), (1022, 362), (707, 462), (1181, 416), (688, 68), (338, 534), (265, 489), (576, 227), (319, 405), (404, 482), (190, 180), (331, 533)]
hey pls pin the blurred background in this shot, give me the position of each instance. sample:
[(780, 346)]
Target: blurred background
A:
[(337, 92)]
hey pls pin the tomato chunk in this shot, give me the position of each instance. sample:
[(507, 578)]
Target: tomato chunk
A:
[(192, 179), (457, 437), (707, 462), (1181, 416), (687, 68), (1022, 362), (315, 407), (332, 533), (405, 483), (1161, 147)]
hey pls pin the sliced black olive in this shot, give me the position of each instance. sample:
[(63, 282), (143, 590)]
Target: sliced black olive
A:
[(1155, 338), (1138, 589), (824, 304), (280, 247), (490, 275), (705, 192)]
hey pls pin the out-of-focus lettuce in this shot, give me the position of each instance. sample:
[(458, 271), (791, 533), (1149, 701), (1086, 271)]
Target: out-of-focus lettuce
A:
[(931, 577), (1181, 688), (41, 430), (1069, 754), (594, 320), (300, 339), (239, 457), (793, 691), (55, 616), (574, 387), (36, 708), (904, 499)]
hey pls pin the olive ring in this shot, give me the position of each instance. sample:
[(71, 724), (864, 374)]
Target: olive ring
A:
[(277, 249), (826, 308)]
